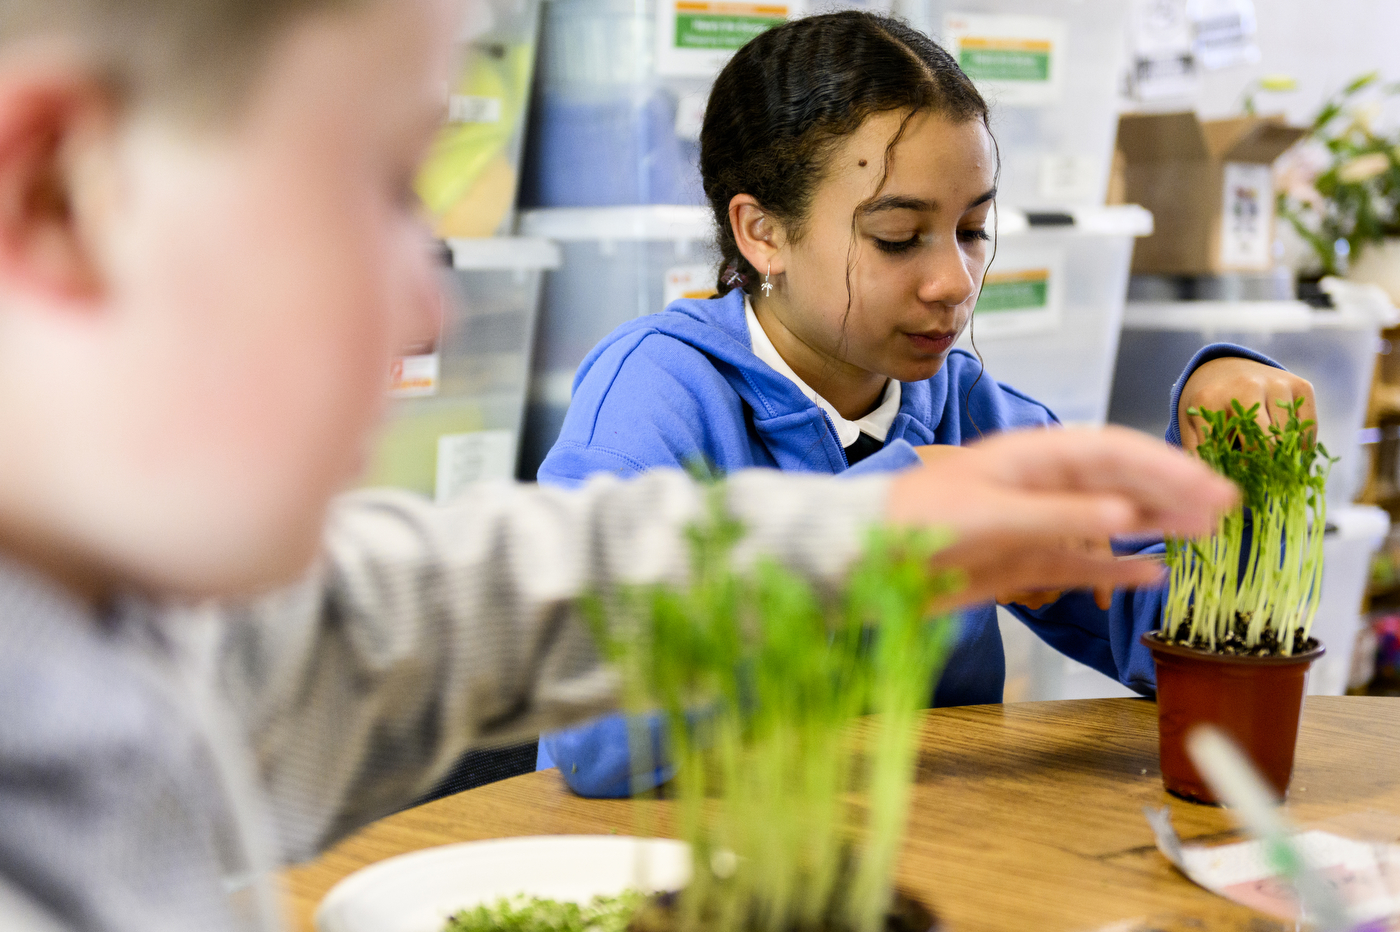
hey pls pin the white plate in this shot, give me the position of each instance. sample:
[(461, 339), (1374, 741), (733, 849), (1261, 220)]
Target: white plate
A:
[(417, 892)]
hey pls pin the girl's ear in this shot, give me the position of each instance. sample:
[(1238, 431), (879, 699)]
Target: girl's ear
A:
[(760, 237), (51, 124)]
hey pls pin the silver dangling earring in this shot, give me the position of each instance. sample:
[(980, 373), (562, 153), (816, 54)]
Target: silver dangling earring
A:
[(767, 286)]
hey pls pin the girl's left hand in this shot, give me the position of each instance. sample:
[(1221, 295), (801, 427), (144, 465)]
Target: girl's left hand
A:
[(1216, 383), (1039, 598)]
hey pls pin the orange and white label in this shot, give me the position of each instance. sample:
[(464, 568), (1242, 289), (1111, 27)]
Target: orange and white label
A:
[(729, 8), (689, 281), (414, 376), (1007, 45)]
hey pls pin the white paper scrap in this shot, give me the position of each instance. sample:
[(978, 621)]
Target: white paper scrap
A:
[(1365, 875)]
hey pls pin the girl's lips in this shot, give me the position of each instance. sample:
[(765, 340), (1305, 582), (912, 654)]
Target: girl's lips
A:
[(932, 342)]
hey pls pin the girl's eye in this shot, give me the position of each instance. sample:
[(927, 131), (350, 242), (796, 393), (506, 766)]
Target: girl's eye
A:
[(896, 246), (974, 234)]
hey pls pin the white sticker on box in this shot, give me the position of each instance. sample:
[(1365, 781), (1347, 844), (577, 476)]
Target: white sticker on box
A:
[(414, 376), (465, 108), (1015, 302), (1015, 60), (478, 456), (696, 37), (690, 115), (689, 281), (1247, 216), (1069, 178)]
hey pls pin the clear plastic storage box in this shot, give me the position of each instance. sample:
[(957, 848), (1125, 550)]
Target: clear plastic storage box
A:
[(1050, 71), (469, 180), (618, 263), (611, 126), (459, 406), (621, 94), (1354, 533), (1048, 319), (1334, 349)]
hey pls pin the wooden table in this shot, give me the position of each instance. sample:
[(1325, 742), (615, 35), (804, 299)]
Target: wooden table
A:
[(1026, 816)]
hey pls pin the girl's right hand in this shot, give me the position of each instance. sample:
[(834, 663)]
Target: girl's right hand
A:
[(1013, 499)]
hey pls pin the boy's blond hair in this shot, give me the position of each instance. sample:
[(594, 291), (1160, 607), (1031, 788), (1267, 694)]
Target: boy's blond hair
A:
[(194, 57)]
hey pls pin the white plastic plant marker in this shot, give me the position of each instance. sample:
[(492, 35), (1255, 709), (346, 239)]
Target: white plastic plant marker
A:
[(417, 892)]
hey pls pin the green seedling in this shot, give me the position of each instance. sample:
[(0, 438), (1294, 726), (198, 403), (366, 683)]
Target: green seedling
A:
[(794, 807), (1253, 586)]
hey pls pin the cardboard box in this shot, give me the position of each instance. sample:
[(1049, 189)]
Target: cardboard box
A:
[(1209, 186)]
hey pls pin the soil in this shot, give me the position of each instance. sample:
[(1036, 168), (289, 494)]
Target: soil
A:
[(1234, 642), (907, 914)]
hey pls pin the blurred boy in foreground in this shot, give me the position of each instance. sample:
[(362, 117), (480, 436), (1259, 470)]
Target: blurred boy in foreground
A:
[(207, 260)]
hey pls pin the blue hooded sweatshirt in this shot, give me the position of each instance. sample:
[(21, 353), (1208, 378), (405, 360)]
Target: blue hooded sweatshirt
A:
[(666, 388)]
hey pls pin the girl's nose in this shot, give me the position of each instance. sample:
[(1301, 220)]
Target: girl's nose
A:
[(949, 277)]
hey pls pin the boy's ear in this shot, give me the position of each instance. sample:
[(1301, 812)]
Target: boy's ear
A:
[(49, 124), (760, 238)]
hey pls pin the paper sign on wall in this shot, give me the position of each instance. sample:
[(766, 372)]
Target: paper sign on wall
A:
[(477, 456), (1225, 31), (689, 281), (1016, 60), (1161, 38), (1247, 216), (1018, 301), (696, 37)]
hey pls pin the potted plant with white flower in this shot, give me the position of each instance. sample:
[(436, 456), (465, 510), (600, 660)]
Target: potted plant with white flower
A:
[(1340, 188)]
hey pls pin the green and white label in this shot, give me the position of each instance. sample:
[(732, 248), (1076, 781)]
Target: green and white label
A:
[(1005, 59), (696, 37), (729, 26), (1016, 60), (1020, 301), (1015, 291)]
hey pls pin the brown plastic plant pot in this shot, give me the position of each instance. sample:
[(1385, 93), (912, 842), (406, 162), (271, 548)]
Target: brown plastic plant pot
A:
[(1257, 701)]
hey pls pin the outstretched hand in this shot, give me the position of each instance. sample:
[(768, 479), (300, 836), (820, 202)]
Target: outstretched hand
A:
[(1014, 499), (1216, 383)]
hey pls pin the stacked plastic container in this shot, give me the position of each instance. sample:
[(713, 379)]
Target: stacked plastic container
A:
[(1050, 70), (1334, 348), (1048, 319), (459, 406), (613, 170), (471, 175), (459, 403), (618, 263)]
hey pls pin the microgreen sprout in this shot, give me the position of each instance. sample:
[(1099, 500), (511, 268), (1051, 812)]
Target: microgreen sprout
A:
[(1253, 585), (794, 811), (536, 914)]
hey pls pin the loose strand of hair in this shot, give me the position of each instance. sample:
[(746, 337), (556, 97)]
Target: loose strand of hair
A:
[(972, 320)]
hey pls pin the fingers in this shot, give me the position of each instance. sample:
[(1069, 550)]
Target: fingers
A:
[(1168, 490), (1029, 598), (1012, 501), (1032, 569), (936, 452), (1191, 428), (1039, 598)]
